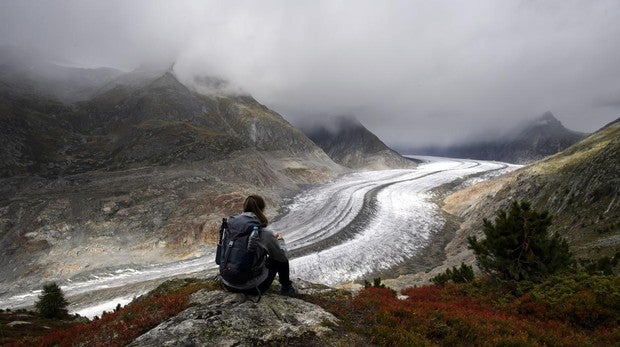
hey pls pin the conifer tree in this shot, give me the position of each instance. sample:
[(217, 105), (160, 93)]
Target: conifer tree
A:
[(518, 247), (52, 303)]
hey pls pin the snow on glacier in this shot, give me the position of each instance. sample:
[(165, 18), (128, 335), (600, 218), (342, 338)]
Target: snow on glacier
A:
[(400, 227)]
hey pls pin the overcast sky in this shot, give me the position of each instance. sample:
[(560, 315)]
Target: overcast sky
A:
[(414, 72)]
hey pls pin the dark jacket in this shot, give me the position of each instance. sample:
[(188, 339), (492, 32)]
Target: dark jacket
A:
[(268, 245)]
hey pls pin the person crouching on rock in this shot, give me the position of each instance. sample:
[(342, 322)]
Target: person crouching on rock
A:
[(250, 255)]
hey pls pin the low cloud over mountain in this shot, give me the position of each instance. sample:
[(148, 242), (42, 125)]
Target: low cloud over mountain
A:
[(531, 141), (414, 73)]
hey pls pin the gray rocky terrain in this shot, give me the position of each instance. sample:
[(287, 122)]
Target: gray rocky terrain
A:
[(57, 228)]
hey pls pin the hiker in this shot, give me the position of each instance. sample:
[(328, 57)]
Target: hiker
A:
[(244, 233)]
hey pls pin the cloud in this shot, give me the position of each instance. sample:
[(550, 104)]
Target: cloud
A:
[(414, 72)]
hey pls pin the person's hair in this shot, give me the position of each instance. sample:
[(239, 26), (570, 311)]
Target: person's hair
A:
[(256, 205)]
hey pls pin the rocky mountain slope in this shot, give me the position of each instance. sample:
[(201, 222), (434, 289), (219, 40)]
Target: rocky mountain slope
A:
[(349, 143), (157, 123), (140, 173), (539, 138), (579, 186)]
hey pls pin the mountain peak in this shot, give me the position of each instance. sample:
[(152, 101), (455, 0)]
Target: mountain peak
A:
[(548, 118), (335, 126), (548, 115), (533, 140), (348, 142), (167, 79), (348, 121)]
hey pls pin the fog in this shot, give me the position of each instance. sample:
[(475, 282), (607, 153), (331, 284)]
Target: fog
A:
[(413, 72)]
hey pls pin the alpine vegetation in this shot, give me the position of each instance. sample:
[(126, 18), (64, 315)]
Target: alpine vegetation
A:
[(518, 247), (52, 302)]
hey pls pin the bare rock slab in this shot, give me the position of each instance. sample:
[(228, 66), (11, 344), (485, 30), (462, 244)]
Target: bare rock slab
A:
[(219, 318)]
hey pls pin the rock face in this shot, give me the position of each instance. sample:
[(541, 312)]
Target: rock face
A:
[(540, 138), (219, 318), (349, 143)]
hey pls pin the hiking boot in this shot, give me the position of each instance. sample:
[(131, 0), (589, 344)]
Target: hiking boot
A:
[(289, 290)]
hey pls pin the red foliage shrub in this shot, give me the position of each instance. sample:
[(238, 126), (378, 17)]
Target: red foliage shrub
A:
[(122, 326), (451, 315)]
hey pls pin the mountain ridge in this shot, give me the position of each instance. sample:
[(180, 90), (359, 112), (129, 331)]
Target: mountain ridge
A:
[(579, 187), (534, 140), (351, 144), (129, 118)]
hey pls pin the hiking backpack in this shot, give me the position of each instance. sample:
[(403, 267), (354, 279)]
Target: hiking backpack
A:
[(236, 253)]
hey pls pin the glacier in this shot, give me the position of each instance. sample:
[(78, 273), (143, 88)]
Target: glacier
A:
[(399, 225)]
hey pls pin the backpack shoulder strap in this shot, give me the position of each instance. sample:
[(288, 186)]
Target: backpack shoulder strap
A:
[(223, 231)]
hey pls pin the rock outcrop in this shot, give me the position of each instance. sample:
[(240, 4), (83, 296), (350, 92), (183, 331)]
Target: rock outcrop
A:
[(218, 318)]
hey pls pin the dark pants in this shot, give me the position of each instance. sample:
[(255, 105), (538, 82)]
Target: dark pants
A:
[(275, 267)]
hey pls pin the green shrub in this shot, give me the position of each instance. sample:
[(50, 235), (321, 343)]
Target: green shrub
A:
[(120, 327), (52, 303), (376, 283), (601, 266), (462, 274), (584, 300), (517, 246)]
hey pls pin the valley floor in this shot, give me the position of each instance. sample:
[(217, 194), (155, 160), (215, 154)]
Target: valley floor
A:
[(353, 227)]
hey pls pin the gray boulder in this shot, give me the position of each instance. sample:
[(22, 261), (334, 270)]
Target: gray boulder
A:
[(219, 318)]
